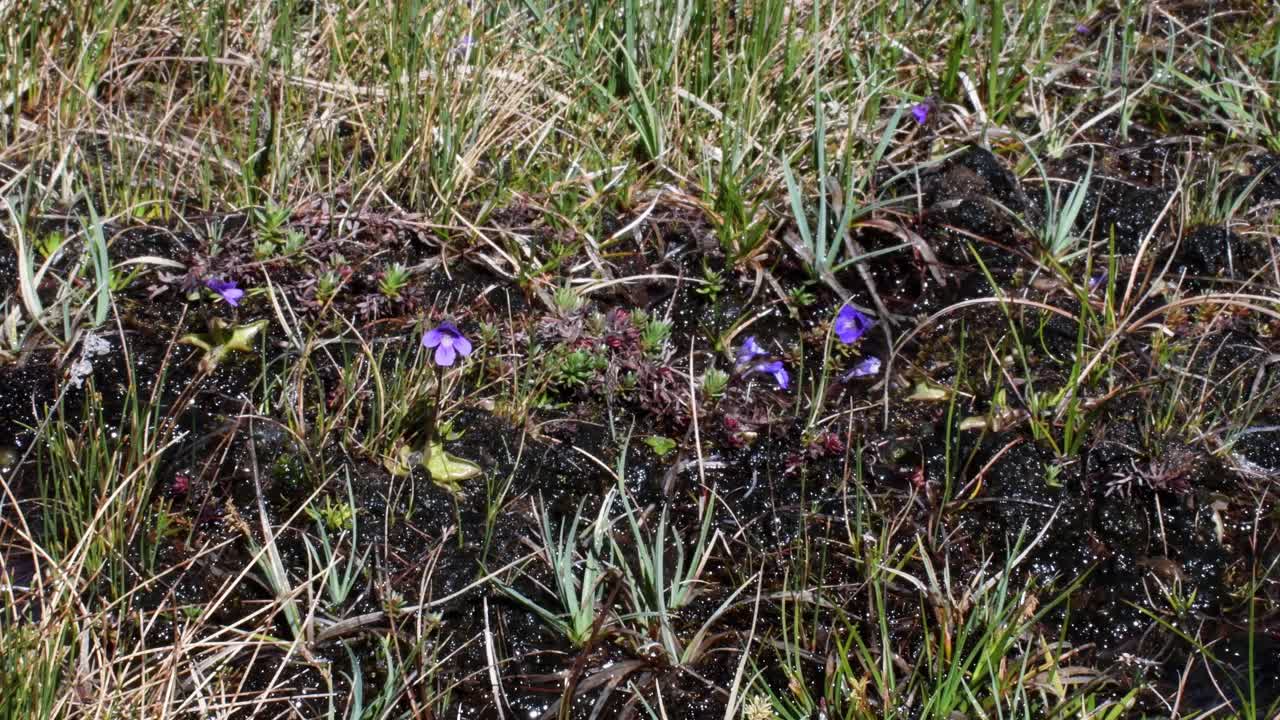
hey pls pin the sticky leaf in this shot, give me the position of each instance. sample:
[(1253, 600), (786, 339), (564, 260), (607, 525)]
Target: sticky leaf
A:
[(222, 340), (660, 445), (446, 469), (401, 462), (923, 391)]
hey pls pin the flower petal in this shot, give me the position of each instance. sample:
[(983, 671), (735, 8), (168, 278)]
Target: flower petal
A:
[(431, 338), (232, 295), (462, 345), (749, 351), (445, 354), (781, 376), (776, 369), (1097, 281), (851, 324), (869, 366)]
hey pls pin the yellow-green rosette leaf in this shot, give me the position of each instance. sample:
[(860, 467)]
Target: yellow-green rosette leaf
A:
[(222, 340), (446, 469)]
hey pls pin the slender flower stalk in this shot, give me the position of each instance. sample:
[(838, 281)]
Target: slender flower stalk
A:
[(446, 470), (449, 343)]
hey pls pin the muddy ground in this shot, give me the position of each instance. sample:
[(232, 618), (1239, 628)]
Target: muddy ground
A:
[(1135, 511)]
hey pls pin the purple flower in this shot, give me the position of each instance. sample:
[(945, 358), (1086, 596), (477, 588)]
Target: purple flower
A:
[(775, 369), (749, 351), (1082, 29), (870, 365), (851, 324), (464, 46), (448, 342), (920, 111), (1097, 281), (226, 289)]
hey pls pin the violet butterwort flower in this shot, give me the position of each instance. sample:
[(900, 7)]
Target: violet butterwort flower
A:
[(1097, 281), (226, 289), (448, 342), (920, 111), (464, 46), (851, 324), (775, 369), (749, 351), (869, 366)]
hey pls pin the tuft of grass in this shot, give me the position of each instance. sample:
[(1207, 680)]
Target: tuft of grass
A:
[(579, 579)]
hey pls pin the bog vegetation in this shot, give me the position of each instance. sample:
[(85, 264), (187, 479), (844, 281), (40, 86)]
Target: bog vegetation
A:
[(639, 359)]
